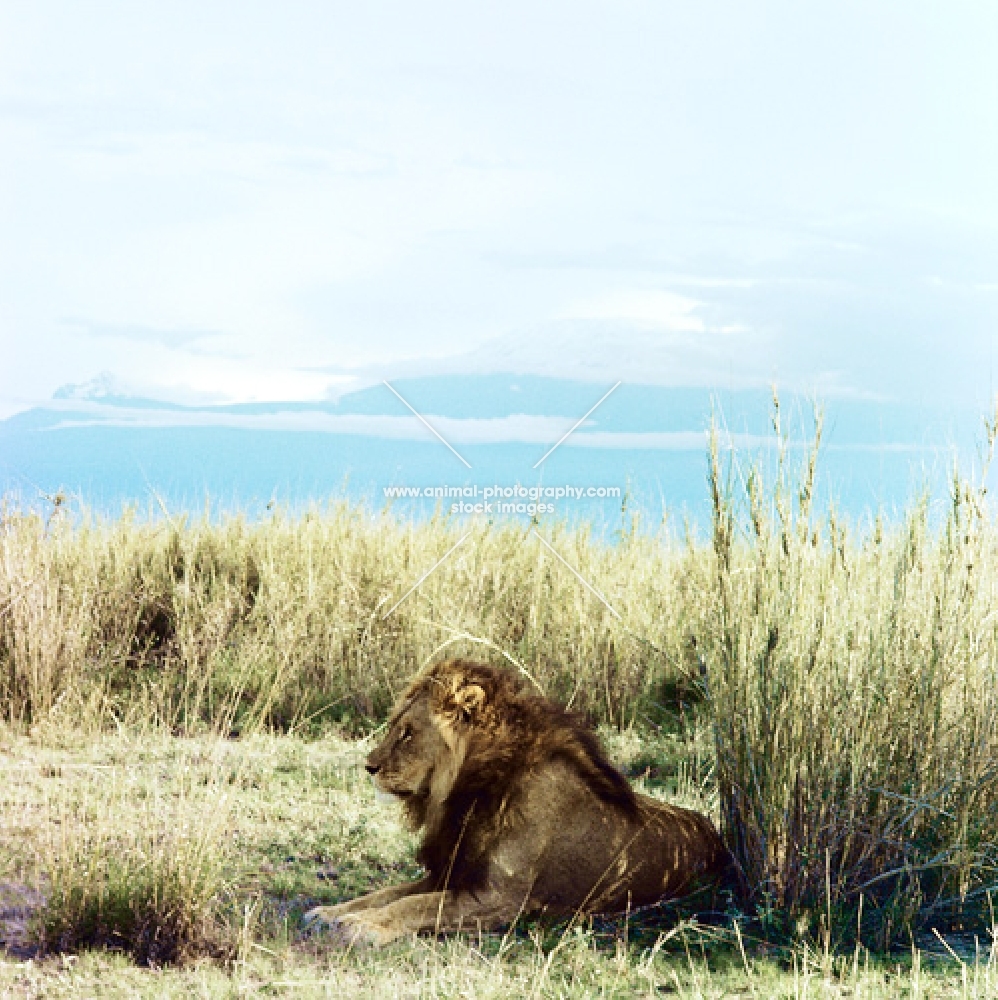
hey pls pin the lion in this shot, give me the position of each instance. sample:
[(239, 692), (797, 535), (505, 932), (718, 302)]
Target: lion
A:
[(520, 813)]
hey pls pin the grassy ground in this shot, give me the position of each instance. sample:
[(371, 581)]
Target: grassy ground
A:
[(292, 823)]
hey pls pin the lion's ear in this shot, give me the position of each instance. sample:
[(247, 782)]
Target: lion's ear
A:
[(469, 699)]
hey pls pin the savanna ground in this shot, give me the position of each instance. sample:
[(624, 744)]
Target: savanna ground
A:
[(290, 822), (186, 705)]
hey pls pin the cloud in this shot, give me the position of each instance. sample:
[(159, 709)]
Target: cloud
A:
[(659, 343), (517, 428), (644, 309), (197, 154), (172, 338)]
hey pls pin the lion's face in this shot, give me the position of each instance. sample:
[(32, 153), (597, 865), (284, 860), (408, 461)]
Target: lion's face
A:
[(411, 754)]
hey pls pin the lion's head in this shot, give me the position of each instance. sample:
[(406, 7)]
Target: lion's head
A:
[(428, 737)]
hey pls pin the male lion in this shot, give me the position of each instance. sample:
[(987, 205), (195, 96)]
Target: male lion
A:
[(521, 812)]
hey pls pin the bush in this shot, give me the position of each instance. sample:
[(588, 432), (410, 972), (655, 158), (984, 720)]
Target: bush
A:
[(150, 882), (852, 686)]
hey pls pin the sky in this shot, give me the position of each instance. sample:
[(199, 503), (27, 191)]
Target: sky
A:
[(236, 202)]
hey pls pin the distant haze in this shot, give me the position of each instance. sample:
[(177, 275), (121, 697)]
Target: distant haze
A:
[(225, 203)]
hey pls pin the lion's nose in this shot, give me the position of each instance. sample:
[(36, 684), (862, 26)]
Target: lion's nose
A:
[(371, 768)]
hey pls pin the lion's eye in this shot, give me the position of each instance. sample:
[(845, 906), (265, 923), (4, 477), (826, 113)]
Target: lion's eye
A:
[(406, 734)]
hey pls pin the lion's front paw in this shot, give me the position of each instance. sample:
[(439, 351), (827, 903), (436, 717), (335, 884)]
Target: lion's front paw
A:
[(349, 930), (319, 915)]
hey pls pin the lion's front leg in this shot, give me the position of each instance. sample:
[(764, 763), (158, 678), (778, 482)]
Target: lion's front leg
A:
[(434, 912), (372, 900)]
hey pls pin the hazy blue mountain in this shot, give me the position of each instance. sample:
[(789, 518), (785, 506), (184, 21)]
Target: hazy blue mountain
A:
[(109, 448)]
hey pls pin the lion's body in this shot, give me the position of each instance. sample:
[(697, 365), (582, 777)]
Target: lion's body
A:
[(520, 812)]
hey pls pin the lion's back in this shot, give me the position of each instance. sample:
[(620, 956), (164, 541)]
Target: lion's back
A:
[(592, 854)]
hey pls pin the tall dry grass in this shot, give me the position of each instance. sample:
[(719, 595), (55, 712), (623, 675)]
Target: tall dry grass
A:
[(854, 692), (284, 623)]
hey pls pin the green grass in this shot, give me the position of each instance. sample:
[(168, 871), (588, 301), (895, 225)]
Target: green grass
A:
[(131, 865), (299, 810), (181, 700)]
